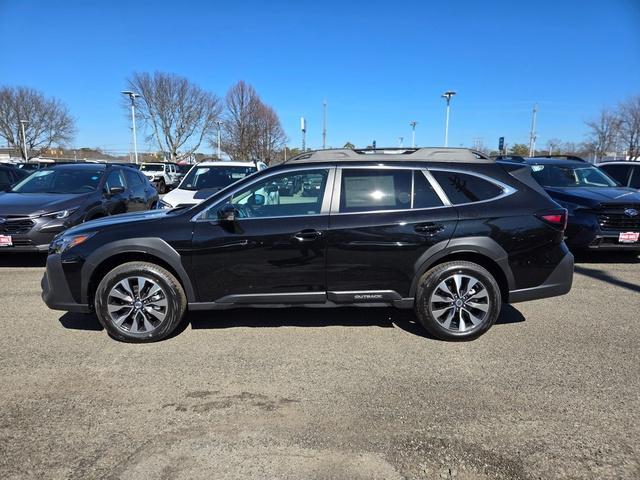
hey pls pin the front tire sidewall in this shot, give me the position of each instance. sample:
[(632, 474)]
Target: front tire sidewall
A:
[(176, 302), (432, 279)]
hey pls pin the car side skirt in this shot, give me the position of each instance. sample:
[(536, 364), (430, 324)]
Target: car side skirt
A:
[(367, 298)]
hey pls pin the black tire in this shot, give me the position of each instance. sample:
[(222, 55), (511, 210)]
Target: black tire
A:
[(435, 324), (172, 292), (162, 187)]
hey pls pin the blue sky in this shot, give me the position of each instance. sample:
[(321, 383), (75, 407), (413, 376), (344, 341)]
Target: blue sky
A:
[(379, 64)]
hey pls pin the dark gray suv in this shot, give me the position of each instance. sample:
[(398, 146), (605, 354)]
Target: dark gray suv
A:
[(53, 199)]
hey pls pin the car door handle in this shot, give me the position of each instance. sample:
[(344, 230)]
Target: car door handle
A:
[(307, 235), (428, 228)]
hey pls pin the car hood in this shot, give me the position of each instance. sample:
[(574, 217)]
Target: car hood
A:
[(189, 197), (100, 223), (33, 204), (593, 196)]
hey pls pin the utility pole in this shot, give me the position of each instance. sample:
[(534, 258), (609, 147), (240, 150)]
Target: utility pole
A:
[(413, 124), (324, 124), (400, 139), (132, 97), (219, 124), (532, 135), (24, 140), (447, 96), (303, 129)]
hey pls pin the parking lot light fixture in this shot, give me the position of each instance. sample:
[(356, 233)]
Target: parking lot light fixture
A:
[(24, 139), (447, 96), (132, 97), (413, 133), (219, 124)]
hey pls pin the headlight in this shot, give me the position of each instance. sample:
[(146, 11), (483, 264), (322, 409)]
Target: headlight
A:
[(61, 214), (162, 205), (65, 242)]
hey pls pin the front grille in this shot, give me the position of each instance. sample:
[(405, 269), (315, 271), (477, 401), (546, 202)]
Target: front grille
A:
[(15, 226), (612, 217)]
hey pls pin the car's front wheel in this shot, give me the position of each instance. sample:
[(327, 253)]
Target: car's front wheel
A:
[(140, 302), (457, 300)]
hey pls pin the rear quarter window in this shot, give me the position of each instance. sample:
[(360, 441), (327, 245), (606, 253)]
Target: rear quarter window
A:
[(466, 188)]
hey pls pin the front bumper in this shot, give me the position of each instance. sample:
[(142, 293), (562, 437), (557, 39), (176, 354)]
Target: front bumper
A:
[(55, 289), (558, 283)]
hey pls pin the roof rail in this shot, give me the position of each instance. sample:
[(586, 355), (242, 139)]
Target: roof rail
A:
[(428, 154), (560, 157), (509, 158)]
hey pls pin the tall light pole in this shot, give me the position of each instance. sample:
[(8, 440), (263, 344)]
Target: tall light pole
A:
[(413, 124), (447, 96), (219, 124), (303, 129), (132, 97), (324, 124), (532, 134), (24, 139), (400, 140)]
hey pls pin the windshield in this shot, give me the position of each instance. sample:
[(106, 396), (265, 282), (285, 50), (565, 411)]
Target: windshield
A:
[(152, 168), (571, 176), (67, 180), (200, 178)]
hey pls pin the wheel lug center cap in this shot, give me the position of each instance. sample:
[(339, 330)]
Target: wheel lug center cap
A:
[(137, 304), (459, 303)]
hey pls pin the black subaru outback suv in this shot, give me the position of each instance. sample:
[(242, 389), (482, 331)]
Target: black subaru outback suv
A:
[(446, 232)]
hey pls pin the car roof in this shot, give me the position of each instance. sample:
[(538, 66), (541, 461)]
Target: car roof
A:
[(79, 165), (223, 163), (555, 161), (429, 154), (618, 162)]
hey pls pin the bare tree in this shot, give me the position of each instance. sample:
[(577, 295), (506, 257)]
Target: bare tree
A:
[(240, 129), (603, 131), (630, 126), (553, 145), (270, 134), (47, 120), (252, 130), (179, 113)]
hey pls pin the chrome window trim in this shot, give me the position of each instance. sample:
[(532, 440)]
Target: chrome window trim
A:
[(199, 217), (506, 189), (437, 188)]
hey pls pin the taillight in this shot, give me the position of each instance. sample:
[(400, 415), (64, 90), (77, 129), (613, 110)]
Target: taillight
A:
[(556, 218)]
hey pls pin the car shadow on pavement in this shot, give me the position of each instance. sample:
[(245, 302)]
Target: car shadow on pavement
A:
[(323, 317), (293, 317), (80, 321), (606, 257), (22, 260), (605, 277)]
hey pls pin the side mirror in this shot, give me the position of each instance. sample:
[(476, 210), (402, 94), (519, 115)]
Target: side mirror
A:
[(227, 213), (258, 199), (116, 190)]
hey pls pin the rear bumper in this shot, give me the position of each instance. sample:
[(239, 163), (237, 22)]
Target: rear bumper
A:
[(55, 289), (558, 283)]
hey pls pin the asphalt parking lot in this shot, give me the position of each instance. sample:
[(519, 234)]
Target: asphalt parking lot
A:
[(552, 391)]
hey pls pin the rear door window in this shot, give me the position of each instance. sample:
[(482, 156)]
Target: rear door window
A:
[(465, 188), (619, 173), (365, 190)]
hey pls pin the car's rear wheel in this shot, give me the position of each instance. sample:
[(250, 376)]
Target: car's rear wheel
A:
[(457, 300), (162, 187), (140, 302)]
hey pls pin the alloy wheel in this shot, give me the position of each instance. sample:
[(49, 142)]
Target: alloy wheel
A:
[(460, 303), (137, 304)]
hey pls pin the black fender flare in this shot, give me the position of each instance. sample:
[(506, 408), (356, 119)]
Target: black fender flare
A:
[(146, 245), (485, 246)]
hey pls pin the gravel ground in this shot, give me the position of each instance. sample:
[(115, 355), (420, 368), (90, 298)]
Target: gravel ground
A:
[(551, 391)]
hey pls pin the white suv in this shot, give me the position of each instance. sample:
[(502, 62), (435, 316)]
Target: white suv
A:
[(163, 175), (206, 178)]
